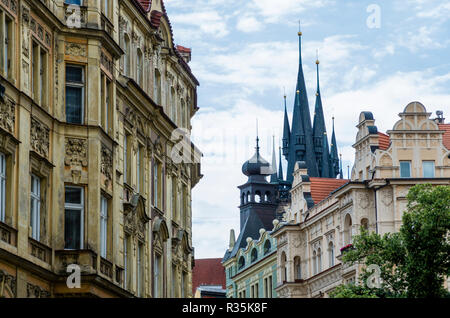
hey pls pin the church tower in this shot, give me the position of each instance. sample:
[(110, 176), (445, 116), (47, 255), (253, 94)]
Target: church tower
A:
[(303, 141), (258, 200), (298, 143)]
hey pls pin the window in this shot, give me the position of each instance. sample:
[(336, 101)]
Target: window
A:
[(74, 94), (158, 278), (157, 185), (315, 262), (39, 74), (267, 247), (269, 287), (77, 2), (331, 254), (127, 56), (73, 220), (138, 169), (241, 263), (126, 159), (35, 207), (428, 169), (106, 7), (106, 114), (298, 268), (174, 199), (2, 187), (140, 67), (254, 255), (183, 284), (126, 241), (140, 272), (405, 169), (103, 226), (319, 260), (157, 87), (174, 273), (6, 43)]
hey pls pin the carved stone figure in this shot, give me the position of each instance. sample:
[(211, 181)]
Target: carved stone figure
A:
[(76, 152), (39, 137)]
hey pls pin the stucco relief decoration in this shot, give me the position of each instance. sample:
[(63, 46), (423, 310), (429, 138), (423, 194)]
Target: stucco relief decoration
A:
[(75, 49), (40, 140), (76, 152), (7, 115), (387, 197), (106, 62), (106, 164), (363, 200), (9, 281), (34, 291), (135, 218), (25, 31)]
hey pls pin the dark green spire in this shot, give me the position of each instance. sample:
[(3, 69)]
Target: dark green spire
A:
[(320, 134), (280, 167), (334, 158), (274, 176), (286, 131)]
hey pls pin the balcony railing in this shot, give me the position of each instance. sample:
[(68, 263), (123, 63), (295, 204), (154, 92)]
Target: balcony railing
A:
[(8, 234), (106, 268), (39, 250), (86, 259)]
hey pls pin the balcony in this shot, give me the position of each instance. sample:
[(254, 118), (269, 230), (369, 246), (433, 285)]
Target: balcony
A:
[(8, 234), (86, 259), (39, 250), (106, 268)]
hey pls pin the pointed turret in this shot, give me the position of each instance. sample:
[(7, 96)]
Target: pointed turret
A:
[(301, 147), (320, 134), (334, 158), (274, 176), (280, 167), (286, 131), (341, 174)]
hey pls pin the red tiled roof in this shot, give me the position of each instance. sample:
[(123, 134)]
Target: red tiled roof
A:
[(155, 18), (383, 141), (208, 271), (322, 187), (446, 136), (183, 49), (146, 4)]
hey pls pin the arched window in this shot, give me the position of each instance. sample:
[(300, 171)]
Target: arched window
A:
[(365, 223), (331, 254), (243, 197), (267, 247), (283, 267), (241, 262), (314, 259), (254, 255), (298, 268), (248, 197), (127, 56), (258, 197), (267, 197), (347, 229)]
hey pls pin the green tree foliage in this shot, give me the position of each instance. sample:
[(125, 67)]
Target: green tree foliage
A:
[(413, 262)]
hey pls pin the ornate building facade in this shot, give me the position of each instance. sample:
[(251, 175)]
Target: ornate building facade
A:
[(94, 100), (312, 238)]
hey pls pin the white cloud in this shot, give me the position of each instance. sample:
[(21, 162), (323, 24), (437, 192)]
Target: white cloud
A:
[(209, 22), (248, 24)]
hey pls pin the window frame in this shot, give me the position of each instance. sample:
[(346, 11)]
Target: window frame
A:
[(409, 168), (35, 209), (3, 184), (433, 168), (103, 226), (81, 85), (81, 208)]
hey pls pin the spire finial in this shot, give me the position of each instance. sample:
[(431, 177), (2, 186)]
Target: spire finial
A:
[(257, 137), (299, 28), (317, 55)]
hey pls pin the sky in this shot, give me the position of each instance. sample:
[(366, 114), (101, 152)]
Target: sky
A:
[(374, 56)]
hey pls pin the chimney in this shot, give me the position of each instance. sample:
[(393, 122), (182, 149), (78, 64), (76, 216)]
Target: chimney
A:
[(185, 53)]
